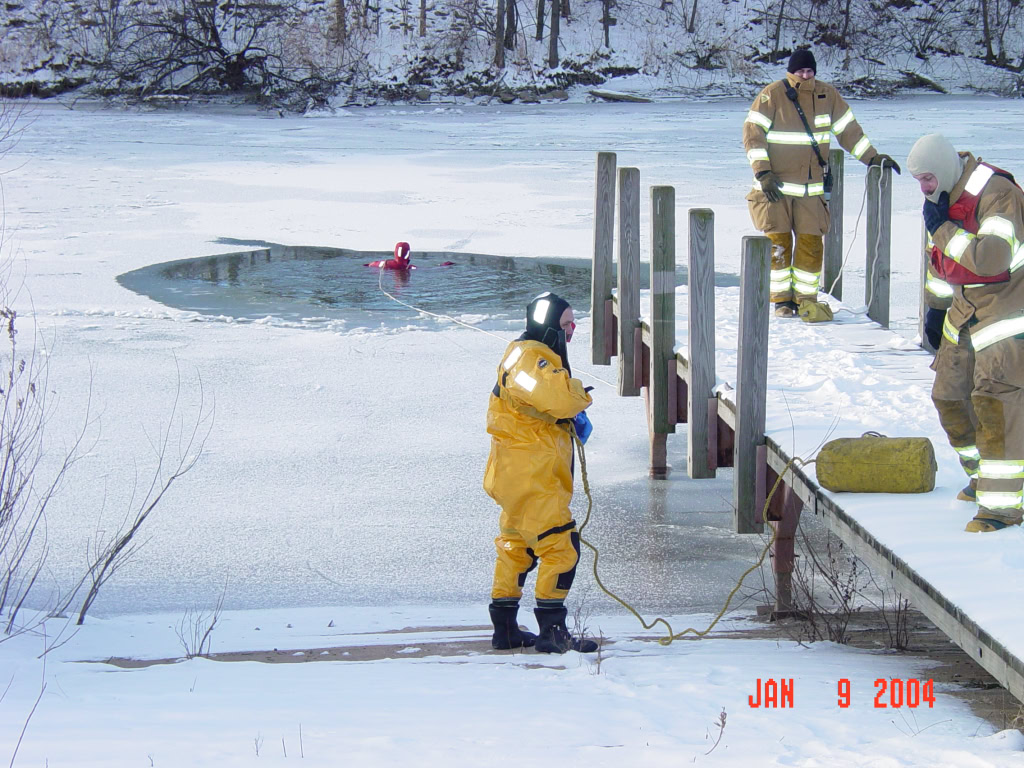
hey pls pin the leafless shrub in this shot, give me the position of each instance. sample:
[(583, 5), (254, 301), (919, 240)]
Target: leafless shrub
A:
[(582, 610), (829, 588), (1018, 719), (922, 27), (35, 704), (721, 730), (195, 629), (26, 407), (895, 611), (201, 46), (110, 556)]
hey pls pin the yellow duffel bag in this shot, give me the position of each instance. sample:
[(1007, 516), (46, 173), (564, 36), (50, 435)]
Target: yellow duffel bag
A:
[(874, 463)]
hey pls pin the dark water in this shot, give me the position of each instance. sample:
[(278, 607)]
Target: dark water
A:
[(317, 284)]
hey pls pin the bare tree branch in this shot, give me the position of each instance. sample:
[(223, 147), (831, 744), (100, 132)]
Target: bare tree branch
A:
[(123, 545)]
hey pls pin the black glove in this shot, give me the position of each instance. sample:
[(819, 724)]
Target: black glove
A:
[(770, 182), (936, 214), (885, 160), (934, 319)]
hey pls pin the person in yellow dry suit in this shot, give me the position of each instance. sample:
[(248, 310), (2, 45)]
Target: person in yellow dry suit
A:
[(533, 410), (786, 136), (974, 213)]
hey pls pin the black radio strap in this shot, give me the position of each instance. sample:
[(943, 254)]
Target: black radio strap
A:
[(792, 94)]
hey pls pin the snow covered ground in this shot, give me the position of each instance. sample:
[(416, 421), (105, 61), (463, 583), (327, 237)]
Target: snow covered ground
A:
[(354, 452)]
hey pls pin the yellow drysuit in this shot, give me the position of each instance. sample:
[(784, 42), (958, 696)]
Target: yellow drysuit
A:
[(529, 470)]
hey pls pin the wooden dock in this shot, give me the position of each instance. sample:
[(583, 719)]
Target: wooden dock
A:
[(726, 428)]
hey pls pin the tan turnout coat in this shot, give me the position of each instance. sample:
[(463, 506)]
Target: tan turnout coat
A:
[(775, 139), (995, 249)]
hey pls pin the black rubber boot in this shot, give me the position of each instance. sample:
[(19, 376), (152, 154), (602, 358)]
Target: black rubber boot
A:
[(507, 633), (554, 637)]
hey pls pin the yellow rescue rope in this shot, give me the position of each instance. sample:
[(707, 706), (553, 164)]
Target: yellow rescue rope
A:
[(667, 640)]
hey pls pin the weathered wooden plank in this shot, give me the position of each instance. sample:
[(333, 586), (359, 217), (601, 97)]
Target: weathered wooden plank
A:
[(628, 263), (663, 303), (832, 268), (701, 351), (752, 375), (876, 279), (601, 270)]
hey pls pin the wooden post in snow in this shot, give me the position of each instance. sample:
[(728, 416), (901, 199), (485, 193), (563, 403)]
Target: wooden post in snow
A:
[(752, 381), (832, 268), (701, 353), (601, 270), (629, 277), (663, 316), (876, 278)]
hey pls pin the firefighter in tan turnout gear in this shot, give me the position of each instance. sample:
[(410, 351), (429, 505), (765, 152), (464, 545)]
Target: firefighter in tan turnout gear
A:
[(974, 213), (534, 409), (786, 136)]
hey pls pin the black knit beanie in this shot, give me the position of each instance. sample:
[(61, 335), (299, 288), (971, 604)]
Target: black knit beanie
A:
[(802, 58)]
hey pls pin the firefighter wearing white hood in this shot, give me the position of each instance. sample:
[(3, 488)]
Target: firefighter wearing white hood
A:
[(974, 213)]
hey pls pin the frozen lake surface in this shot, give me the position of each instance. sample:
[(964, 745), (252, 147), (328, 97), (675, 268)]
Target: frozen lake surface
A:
[(355, 449)]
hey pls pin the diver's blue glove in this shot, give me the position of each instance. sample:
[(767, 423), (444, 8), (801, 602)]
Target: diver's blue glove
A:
[(583, 426), (936, 214)]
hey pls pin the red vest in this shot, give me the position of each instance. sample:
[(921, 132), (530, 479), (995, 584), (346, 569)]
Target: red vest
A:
[(965, 213)]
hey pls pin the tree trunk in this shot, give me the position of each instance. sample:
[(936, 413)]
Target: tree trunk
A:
[(606, 21), (540, 20), (499, 36), (511, 24), (844, 36), (423, 18), (553, 44), (692, 25), (986, 31), (564, 9), (778, 31), (340, 28)]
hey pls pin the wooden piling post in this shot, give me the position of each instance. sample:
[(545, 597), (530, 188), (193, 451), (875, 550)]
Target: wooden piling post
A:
[(832, 268), (629, 276), (876, 278), (663, 325), (701, 353), (601, 270), (752, 380)]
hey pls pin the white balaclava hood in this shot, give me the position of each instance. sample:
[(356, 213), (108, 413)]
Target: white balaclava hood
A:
[(935, 155)]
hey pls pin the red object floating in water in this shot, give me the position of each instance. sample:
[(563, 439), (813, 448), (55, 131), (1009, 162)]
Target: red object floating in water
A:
[(401, 261)]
